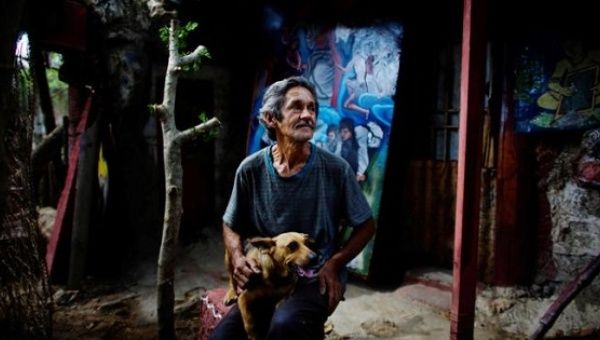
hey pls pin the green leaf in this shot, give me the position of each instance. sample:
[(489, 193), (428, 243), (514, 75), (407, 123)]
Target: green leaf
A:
[(163, 33), (190, 26)]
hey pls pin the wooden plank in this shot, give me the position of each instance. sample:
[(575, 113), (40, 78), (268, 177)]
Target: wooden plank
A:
[(567, 293), (84, 198)]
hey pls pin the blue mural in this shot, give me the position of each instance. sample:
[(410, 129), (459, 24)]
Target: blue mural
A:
[(354, 71), (557, 87)]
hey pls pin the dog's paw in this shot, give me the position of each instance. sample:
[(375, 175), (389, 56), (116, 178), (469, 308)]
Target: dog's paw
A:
[(230, 301), (230, 298)]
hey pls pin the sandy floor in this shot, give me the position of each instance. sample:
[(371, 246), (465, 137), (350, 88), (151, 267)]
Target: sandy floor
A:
[(126, 309)]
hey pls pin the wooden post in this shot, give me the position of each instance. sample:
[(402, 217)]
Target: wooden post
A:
[(513, 254), (469, 171), (87, 174)]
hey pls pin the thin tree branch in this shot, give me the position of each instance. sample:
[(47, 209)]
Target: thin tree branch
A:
[(160, 111), (190, 58), (193, 132), (50, 141)]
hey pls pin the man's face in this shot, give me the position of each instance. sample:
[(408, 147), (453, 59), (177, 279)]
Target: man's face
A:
[(299, 116)]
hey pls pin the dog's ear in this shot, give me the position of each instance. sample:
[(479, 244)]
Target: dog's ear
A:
[(262, 242), (309, 241)]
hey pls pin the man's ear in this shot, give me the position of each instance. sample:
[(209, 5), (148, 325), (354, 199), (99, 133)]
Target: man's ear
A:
[(262, 242), (269, 119)]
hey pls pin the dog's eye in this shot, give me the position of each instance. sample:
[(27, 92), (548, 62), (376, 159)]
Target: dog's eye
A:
[(293, 246)]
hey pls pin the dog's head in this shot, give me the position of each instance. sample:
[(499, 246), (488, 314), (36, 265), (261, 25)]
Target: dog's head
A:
[(289, 249)]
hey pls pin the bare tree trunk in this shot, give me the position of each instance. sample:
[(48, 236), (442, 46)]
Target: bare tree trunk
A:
[(24, 295), (173, 139), (10, 19)]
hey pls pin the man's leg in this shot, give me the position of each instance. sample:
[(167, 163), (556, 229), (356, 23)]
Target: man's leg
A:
[(231, 327), (301, 316)]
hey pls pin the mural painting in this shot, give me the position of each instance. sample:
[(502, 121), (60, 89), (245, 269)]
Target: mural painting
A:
[(557, 87), (354, 71)]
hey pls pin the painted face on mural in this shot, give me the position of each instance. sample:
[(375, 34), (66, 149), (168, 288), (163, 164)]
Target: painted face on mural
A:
[(345, 134), (299, 115)]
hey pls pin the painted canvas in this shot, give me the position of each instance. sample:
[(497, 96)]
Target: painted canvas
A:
[(354, 71), (557, 87)]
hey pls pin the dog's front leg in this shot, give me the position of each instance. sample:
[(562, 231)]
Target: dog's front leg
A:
[(231, 295), (244, 306)]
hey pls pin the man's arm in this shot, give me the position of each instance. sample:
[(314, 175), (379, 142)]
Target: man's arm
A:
[(243, 268), (329, 280)]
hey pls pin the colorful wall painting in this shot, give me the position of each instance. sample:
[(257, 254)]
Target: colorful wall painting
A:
[(557, 86), (354, 71)]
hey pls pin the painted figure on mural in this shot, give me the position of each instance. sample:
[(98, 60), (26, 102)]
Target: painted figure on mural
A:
[(291, 44), (573, 95), (360, 82), (368, 77), (349, 150), (333, 144)]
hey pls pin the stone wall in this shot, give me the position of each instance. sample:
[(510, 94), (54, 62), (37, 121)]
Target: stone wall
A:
[(568, 239), (575, 219)]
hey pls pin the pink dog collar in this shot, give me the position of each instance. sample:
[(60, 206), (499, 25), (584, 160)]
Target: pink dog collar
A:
[(306, 272)]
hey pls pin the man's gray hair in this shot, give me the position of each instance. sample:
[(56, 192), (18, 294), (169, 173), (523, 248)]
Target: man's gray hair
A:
[(274, 98)]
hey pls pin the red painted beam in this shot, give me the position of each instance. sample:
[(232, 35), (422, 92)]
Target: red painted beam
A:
[(58, 230), (469, 171)]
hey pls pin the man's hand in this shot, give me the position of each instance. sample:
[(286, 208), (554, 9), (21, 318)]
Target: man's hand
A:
[(329, 283), (243, 269), (329, 279)]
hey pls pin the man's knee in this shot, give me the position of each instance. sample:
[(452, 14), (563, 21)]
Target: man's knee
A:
[(285, 325), (230, 327)]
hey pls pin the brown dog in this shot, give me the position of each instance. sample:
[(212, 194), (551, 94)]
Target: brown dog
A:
[(276, 257)]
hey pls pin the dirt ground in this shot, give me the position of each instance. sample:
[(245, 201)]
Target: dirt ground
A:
[(125, 307), (108, 311)]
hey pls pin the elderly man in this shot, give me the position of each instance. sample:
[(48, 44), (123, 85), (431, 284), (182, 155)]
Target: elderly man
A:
[(292, 185)]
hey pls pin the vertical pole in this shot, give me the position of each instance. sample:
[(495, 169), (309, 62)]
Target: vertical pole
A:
[(87, 175), (513, 255), (469, 171)]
